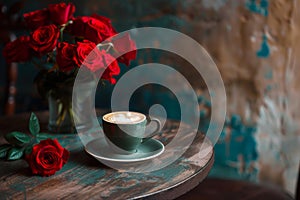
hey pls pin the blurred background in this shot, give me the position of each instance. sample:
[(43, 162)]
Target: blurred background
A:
[(254, 44)]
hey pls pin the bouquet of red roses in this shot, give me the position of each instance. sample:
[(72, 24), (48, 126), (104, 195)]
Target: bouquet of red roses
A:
[(64, 41), (59, 44)]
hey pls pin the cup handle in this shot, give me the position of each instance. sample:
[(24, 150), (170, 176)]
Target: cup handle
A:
[(157, 130)]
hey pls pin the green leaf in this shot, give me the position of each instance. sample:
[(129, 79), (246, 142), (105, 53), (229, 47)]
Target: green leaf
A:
[(4, 150), (43, 136), (28, 149), (17, 138), (34, 125), (15, 153)]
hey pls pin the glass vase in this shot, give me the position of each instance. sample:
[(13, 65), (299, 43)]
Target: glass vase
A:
[(60, 110)]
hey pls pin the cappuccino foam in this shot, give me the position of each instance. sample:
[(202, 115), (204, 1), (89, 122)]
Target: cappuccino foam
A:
[(124, 117)]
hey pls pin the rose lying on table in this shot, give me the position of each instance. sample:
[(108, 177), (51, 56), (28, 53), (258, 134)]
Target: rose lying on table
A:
[(44, 156), (47, 157)]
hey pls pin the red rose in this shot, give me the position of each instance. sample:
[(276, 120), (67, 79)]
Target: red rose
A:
[(96, 60), (88, 55), (17, 50), (91, 28), (61, 13), (110, 30), (65, 56), (122, 45), (112, 70), (47, 157), (37, 18), (44, 39)]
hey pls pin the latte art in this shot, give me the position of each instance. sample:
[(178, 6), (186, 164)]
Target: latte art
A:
[(124, 117)]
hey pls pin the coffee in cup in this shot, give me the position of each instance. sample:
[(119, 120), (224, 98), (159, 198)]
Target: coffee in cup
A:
[(125, 130)]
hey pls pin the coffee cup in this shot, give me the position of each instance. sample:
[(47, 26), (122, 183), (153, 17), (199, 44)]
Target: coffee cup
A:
[(126, 130)]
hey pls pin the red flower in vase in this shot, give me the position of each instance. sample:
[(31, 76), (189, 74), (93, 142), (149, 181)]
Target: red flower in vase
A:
[(61, 13), (96, 60), (66, 56), (37, 18), (122, 45), (44, 39), (94, 29), (88, 55), (113, 68), (67, 42)]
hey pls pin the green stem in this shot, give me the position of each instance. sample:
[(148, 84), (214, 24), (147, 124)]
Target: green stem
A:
[(63, 27)]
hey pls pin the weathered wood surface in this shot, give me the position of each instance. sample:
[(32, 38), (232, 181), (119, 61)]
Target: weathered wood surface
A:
[(83, 177)]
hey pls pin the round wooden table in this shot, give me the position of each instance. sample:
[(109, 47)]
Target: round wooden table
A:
[(83, 177)]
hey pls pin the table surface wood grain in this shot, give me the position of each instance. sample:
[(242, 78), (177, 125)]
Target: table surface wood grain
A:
[(83, 177)]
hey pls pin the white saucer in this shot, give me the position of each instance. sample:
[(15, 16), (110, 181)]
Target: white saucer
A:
[(102, 151)]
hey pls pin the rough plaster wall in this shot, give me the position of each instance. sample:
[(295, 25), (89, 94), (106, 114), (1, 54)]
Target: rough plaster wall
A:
[(257, 55), (284, 93), (233, 35)]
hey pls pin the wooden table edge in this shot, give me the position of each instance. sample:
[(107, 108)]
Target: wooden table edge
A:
[(183, 186)]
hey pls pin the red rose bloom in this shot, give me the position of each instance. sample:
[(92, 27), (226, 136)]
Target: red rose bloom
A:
[(17, 50), (44, 39), (37, 18), (88, 55), (83, 49), (91, 28), (47, 157), (61, 13), (68, 45), (65, 56), (96, 60), (112, 70), (110, 30), (122, 45)]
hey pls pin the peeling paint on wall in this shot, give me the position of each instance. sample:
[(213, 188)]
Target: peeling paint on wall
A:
[(260, 7), (264, 50)]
